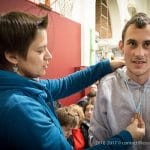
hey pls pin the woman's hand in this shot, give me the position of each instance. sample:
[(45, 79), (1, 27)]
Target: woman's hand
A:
[(137, 127), (117, 63)]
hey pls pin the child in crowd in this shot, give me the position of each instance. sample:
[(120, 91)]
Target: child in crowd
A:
[(88, 111), (68, 120)]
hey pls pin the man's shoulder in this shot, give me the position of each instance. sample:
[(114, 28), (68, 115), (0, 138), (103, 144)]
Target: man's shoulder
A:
[(114, 76)]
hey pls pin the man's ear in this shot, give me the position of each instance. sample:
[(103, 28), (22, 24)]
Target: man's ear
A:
[(11, 57), (121, 46)]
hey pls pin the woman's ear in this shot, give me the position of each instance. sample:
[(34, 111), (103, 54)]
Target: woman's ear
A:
[(11, 57)]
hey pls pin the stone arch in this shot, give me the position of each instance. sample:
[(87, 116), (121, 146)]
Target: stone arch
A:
[(115, 19)]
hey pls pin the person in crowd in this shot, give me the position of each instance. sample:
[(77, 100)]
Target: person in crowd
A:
[(68, 119), (90, 97), (88, 112), (27, 122), (77, 139), (126, 91), (75, 123)]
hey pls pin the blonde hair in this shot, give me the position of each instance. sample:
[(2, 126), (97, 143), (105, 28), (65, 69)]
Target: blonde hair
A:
[(67, 117), (79, 111)]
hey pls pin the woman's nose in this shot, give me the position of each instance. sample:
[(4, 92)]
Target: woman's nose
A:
[(48, 54)]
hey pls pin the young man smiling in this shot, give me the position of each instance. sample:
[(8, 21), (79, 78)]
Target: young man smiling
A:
[(126, 92)]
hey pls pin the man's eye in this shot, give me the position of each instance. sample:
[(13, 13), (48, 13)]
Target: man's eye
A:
[(132, 44), (147, 45)]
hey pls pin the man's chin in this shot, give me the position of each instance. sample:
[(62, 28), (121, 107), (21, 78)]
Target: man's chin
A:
[(138, 72)]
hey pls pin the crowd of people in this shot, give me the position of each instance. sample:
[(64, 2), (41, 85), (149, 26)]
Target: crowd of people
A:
[(29, 119)]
